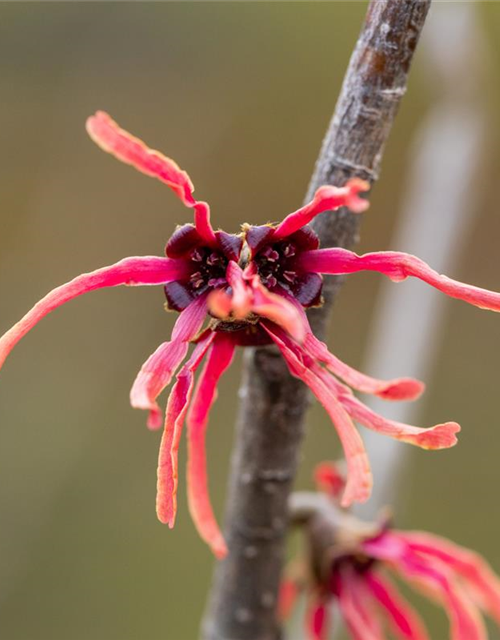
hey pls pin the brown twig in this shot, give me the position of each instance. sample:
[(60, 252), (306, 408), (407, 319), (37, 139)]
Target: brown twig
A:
[(273, 404)]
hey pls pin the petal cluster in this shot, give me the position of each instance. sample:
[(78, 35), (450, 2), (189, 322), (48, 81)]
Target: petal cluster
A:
[(246, 289), (352, 567)]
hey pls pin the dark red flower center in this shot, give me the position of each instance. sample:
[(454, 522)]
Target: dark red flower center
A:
[(205, 265), (275, 264), (207, 269), (210, 268)]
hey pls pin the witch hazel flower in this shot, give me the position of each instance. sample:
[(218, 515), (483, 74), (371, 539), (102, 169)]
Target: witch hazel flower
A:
[(246, 289), (351, 563)]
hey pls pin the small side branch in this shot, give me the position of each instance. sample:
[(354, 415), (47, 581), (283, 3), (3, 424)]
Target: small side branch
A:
[(270, 428)]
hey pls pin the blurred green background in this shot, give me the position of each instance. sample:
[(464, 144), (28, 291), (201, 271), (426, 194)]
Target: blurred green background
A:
[(240, 95)]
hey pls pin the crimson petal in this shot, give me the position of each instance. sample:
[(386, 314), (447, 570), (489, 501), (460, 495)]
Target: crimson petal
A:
[(108, 135), (359, 480), (218, 360), (440, 436), (397, 389), (241, 299), (279, 310), (326, 198), (397, 266), (157, 371), (178, 401)]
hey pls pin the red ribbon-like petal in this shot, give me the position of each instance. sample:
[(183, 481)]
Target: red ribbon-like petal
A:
[(106, 133), (130, 271), (396, 266), (218, 360)]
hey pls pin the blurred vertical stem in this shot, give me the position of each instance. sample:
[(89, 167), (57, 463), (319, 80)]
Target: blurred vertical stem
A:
[(441, 202), (242, 604)]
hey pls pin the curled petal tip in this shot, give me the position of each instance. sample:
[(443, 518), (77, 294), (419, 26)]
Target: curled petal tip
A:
[(354, 202), (359, 480), (155, 420), (280, 310), (92, 124), (220, 550), (349, 498), (397, 267), (166, 515), (162, 517), (396, 389), (326, 198), (241, 300), (358, 184), (441, 436), (402, 389), (219, 304), (99, 114)]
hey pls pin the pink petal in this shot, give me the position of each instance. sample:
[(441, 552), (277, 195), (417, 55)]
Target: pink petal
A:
[(397, 389), (325, 199), (440, 436), (248, 295), (178, 401), (130, 271), (220, 304), (219, 359), (396, 266), (470, 566), (356, 605), (359, 480), (159, 368), (317, 622), (279, 310), (107, 134), (241, 292), (203, 224), (405, 621), (154, 376)]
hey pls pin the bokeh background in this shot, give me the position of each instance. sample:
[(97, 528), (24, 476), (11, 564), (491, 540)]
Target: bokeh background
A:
[(240, 95)]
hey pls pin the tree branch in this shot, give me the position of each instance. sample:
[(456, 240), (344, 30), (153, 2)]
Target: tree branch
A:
[(273, 404)]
